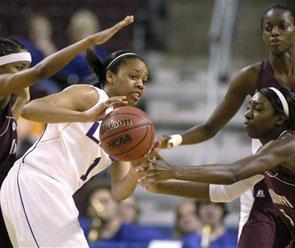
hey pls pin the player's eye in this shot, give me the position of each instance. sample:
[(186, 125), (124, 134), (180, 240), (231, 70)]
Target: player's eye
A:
[(20, 67), (268, 27)]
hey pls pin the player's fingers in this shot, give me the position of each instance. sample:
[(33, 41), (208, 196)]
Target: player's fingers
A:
[(127, 20)]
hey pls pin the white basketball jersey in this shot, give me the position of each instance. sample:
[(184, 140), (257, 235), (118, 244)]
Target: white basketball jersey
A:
[(247, 198), (70, 152)]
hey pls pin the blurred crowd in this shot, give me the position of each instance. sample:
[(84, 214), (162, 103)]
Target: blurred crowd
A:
[(108, 223)]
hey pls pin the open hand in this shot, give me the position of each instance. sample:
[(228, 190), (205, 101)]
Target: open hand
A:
[(156, 169), (106, 34), (99, 111)]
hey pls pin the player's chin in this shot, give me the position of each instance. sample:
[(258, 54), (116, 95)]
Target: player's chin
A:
[(133, 101), (251, 133)]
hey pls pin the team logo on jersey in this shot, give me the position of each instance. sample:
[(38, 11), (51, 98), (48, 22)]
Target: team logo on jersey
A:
[(260, 194), (114, 124)]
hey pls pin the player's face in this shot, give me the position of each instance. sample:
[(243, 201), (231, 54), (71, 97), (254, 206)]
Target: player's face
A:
[(260, 117), (130, 80), (278, 30), (103, 204), (211, 214), (187, 218)]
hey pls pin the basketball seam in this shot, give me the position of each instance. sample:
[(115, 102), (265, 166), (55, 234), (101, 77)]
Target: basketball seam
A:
[(149, 146), (134, 145), (141, 125)]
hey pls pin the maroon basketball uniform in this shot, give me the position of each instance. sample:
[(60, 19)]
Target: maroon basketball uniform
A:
[(8, 142), (262, 228), (281, 186)]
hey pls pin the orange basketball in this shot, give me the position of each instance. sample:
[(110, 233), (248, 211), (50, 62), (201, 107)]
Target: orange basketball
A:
[(127, 133)]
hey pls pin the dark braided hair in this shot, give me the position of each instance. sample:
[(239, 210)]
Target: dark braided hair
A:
[(9, 46), (277, 104), (283, 6), (100, 68)]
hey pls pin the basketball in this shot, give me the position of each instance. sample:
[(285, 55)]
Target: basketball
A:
[(127, 133)]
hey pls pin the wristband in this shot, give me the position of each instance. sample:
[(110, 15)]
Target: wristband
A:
[(175, 140)]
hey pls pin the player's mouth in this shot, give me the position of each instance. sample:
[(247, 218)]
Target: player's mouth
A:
[(136, 95), (275, 42)]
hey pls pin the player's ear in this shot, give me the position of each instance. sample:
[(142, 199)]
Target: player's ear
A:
[(281, 119), (109, 77)]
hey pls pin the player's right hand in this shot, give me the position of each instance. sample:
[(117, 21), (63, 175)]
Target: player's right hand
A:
[(98, 112), (163, 142), (105, 35)]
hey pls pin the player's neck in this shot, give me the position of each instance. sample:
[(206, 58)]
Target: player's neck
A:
[(274, 134), (284, 63)]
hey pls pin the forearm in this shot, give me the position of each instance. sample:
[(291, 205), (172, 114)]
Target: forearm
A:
[(197, 134), (46, 113), (123, 188), (228, 193), (194, 190), (54, 62), (214, 173)]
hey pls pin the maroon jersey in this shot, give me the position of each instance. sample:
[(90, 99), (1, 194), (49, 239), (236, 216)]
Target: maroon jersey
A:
[(263, 218), (8, 141), (281, 186)]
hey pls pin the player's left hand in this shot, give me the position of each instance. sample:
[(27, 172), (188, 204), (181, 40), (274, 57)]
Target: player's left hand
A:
[(156, 168), (149, 184)]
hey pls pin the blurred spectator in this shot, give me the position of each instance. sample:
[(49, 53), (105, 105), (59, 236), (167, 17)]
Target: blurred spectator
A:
[(106, 228), (82, 23), (129, 210), (213, 232), (187, 224), (39, 43)]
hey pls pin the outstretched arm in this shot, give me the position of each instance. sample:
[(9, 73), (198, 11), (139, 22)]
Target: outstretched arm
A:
[(10, 83), (75, 104), (243, 84), (201, 191), (275, 153)]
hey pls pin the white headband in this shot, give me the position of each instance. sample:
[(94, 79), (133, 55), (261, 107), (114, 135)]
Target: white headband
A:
[(120, 56), (282, 99), (15, 57)]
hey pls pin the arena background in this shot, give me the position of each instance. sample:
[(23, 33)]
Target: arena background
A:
[(192, 48)]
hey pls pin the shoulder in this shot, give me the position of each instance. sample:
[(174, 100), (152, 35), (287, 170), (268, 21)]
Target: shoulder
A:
[(85, 95), (246, 79), (281, 148)]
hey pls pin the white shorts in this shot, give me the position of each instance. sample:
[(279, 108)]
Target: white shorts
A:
[(39, 211)]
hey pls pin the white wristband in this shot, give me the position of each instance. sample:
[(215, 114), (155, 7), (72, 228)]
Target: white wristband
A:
[(175, 140)]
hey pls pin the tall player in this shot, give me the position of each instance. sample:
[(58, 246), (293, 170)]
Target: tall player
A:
[(271, 119), (15, 77), (36, 196), (278, 32)]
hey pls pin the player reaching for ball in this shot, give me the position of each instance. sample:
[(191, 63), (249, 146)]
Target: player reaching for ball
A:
[(36, 196)]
